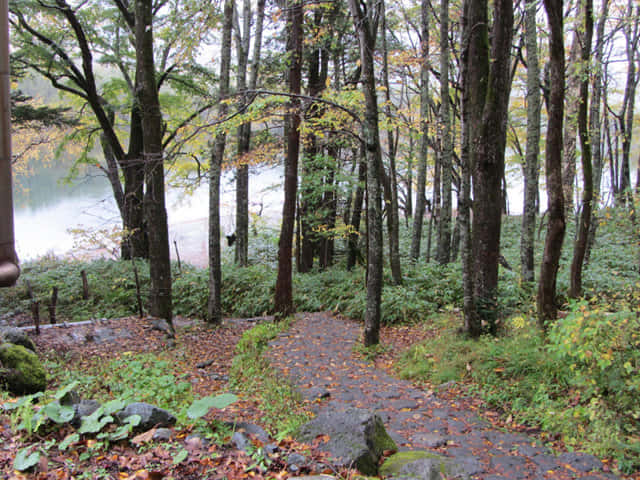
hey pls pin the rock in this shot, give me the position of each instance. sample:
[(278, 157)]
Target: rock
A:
[(162, 435), (150, 415), (296, 458), (271, 448), (205, 364), (240, 441), (250, 428), (317, 393), (421, 465), (70, 398), (356, 437), (429, 440), (581, 461), (515, 467), (107, 335), (83, 408), (21, 371), (313, 477), (195, 442), (161, 325), (17, 337)]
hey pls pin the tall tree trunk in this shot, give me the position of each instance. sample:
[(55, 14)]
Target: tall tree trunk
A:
[(365, 17), (421, 199), (595, 128), (488, 95), (580, 247), (570, 123), (311, 183), (9, 265), (446, 153), (214, 311), (547, 308), (154, 199), (329, 207), (353, 250), (283, 302), (243, 40), (391, 185), (625, 119), (464, 198), (533, 146)]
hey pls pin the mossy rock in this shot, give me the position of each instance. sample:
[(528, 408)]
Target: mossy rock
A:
[(423, 465), (21, 371)]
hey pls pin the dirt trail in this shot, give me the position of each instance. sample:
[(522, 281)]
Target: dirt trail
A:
[(317, 356)]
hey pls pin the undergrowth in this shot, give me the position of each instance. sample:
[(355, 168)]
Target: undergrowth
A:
[(582, 381), (252, 374)]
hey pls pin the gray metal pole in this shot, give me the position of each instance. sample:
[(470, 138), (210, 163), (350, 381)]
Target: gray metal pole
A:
[(9, 269)]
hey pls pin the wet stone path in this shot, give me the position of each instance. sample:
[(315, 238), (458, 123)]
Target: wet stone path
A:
[(316, 355)]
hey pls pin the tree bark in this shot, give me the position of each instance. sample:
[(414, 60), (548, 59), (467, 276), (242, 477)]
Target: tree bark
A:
[(531, 166), (354, 237), (283, 303), (391, 186), (631, 32), (244, 142), (214, 309), (365, 17), (595, 126), (570, 124), (580, 247), (488, 95), (547, 308), (446, 152), (154, 199), (421, 199)]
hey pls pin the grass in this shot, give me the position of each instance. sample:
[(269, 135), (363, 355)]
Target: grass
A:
[(251, 373), (576, 390)]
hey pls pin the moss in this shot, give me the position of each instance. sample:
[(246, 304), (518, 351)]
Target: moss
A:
[(382, 441), (22, 371), (393, 465)]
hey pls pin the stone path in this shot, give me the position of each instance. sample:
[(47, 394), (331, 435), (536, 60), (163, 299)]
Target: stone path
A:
[(316, 354)]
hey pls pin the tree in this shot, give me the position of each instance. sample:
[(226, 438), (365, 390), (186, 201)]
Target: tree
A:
[(580, 246), (366, 16), (244, 131), (547, 308), (9, 269), (153, 159), (631, 31), (389, 182), (421, 199), (446, 152), (283, 304), (530, 205), (64, 43), (573, 68), (487, 93), (214, 311), (595, 121)]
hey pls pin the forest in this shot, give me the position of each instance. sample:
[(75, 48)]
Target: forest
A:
[(459, 211)]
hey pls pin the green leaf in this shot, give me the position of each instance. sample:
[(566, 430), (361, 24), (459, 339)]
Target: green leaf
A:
[(180, 456), (133, 420), (68, 440), (58, 413), (113, 406), (93, 424), (24, 461), (63, 391), (200, 407)]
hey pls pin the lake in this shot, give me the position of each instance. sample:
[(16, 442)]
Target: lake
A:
[(47, 209)]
